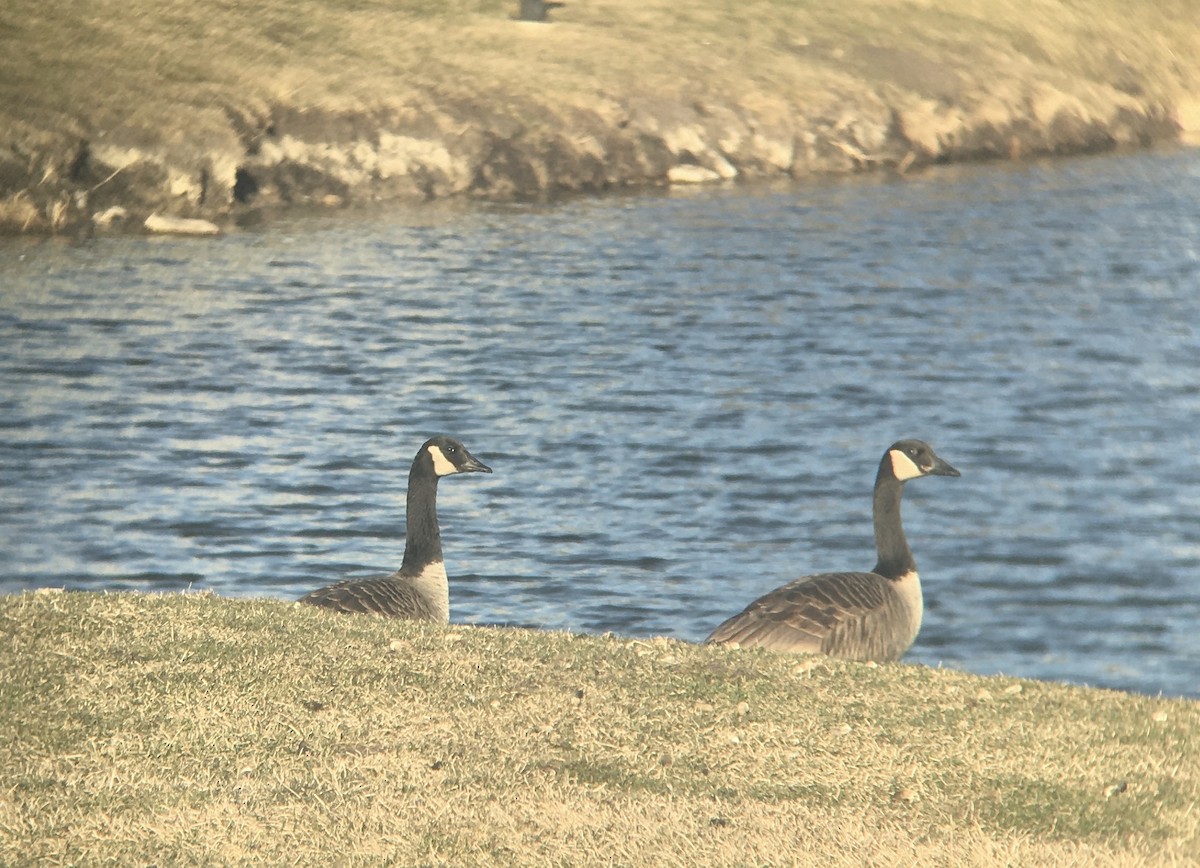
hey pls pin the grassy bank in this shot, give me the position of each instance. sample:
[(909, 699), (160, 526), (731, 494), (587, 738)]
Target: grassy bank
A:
[(201, 108), (185, 729), (157, 63)]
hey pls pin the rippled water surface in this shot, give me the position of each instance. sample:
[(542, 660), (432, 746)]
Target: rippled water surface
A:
[(684, 398)]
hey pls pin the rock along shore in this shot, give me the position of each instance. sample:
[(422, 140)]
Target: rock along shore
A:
[(840, 103)]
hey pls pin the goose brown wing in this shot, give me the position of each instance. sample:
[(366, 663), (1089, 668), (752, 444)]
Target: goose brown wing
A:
[(807, 614), (391, 597)]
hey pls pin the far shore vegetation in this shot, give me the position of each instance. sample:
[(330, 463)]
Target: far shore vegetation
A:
[(159, 63), (201, 80)]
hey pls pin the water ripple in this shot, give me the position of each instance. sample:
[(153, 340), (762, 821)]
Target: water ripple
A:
[(683, 397)]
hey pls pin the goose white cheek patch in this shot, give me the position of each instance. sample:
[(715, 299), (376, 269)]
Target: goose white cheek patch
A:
[(904, 467), (442, 465)]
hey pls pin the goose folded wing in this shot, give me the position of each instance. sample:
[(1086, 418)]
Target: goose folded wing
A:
[(385, 596), (807, 615)]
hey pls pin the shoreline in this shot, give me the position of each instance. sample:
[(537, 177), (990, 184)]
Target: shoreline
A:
[(589, 101)]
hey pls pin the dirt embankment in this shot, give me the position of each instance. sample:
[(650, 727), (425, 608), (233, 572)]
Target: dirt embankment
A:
[(806, 101)]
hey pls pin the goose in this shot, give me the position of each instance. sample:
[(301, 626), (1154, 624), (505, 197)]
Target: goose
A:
[(857, 616), (419, 590)]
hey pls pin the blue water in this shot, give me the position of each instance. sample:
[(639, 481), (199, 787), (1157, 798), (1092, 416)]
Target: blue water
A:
[(684, 396)]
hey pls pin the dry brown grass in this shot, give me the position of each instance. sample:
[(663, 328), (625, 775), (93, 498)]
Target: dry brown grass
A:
[(186, 729), (154, 65)]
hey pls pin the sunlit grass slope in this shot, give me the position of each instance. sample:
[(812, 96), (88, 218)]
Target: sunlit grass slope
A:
[(186, 729)]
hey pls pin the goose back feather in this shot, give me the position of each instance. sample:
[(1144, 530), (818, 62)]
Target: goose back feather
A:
[(854, 615), (419, 590)]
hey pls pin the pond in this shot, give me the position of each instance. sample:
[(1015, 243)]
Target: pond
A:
[(684, 396)]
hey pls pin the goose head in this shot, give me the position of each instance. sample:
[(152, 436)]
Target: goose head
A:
[(910, 459), (447, 456)]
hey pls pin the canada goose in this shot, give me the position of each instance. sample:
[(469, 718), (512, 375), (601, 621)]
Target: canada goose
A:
[(859, 616), (419, 590)]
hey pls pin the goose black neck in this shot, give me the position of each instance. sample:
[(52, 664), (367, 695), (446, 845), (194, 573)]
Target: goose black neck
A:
[(423, 539), (895, 557)]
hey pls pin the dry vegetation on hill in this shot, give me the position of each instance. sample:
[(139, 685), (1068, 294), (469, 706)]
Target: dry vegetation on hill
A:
[(213, 109)]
